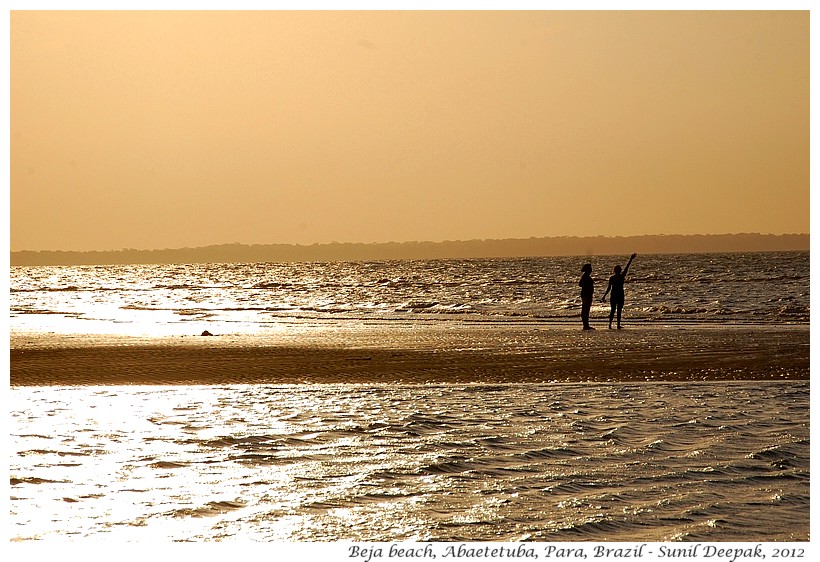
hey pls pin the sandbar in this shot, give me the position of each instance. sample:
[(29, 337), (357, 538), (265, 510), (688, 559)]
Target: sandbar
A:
[(372, 355)]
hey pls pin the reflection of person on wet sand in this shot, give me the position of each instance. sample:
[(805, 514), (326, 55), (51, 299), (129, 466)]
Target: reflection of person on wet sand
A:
[(587, 285), (616, 285)]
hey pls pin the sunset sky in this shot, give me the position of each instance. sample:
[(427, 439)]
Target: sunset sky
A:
[(157, 129)]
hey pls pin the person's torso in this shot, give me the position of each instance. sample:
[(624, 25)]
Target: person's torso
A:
[(587, 286), (617, 284)]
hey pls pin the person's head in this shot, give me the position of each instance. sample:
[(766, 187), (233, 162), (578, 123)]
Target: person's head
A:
[(617, 270), (587, 268)]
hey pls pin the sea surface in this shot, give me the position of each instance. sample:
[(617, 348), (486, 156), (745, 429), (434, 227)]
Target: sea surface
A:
[(722, 461), (650, 461), (747, 288)]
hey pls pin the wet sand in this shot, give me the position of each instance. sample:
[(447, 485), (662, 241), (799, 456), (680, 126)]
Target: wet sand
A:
[(496, 354)]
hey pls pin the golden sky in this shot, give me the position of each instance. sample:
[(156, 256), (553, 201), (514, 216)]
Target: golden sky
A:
[(160, 129)]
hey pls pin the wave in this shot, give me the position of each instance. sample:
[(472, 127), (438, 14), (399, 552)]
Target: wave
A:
[(549, 454), (603, 528), (779, 458), (383, 311), (210, 509), (17, 480), (168, 464), (68, 289)]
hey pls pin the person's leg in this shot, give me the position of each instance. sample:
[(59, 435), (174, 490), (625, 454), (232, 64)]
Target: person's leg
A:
[(620, 308), (586, 305), (611, 312)]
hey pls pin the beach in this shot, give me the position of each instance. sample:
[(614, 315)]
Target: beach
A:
[(448, 354)]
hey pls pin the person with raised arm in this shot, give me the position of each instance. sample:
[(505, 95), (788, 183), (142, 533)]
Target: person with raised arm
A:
[(616, 286)]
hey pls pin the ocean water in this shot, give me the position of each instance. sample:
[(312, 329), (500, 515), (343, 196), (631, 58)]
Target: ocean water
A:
[(722, 461), (184, 299)]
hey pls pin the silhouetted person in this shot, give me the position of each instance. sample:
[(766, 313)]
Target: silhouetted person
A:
[(587, 288), (616, 285)]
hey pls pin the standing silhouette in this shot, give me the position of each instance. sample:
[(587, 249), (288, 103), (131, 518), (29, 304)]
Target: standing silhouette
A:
[(616, 285), (587, 285)]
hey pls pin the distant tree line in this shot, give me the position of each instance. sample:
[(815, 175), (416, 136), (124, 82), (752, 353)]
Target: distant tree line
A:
[(526, 247)]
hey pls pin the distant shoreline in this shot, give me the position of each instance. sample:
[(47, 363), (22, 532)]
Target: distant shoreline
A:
[(506, 248)]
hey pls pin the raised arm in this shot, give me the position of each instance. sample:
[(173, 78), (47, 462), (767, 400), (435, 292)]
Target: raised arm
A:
[(632, 257)]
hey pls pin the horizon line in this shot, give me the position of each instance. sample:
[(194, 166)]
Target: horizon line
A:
[(409, 242)]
